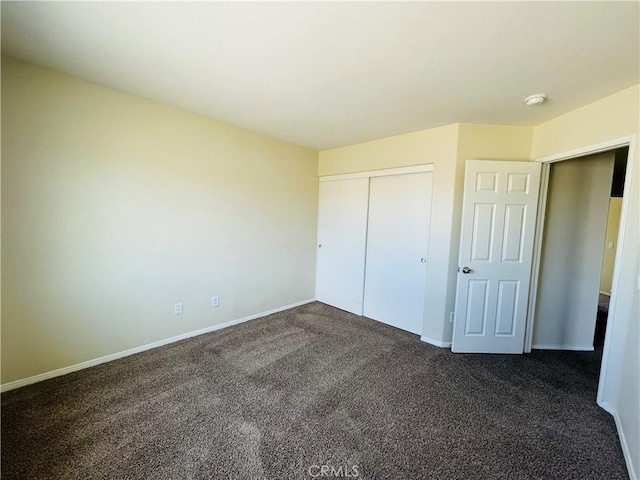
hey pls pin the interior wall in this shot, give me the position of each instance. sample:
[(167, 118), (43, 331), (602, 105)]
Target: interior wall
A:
[(447, 148), (610, 118), (572, 252), (436, 146), (115, 208), (611, 243)]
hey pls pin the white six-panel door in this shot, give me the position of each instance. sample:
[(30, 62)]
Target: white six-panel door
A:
[(342, 234), (397, 243), (496, 249)]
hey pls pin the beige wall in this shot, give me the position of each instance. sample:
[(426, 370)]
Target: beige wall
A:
[(494, 142), (613, 226), (610, 118), (115, 208), (447, 148)]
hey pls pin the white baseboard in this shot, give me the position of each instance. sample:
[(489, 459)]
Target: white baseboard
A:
[(605, 406), (608, 294), (575, 348), (114, 356), (625, 448), (437, 343), (623, 440)]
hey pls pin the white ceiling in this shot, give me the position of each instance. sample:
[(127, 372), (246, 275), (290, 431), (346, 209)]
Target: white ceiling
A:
[(326, 75)]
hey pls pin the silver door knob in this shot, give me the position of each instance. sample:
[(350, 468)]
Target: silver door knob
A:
[(464, 269), (423, 260)]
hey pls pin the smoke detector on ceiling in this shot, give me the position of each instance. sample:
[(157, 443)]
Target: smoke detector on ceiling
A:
[(537, 99)]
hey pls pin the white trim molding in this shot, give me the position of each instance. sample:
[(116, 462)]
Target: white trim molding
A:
[(437, 343), (114, 356), (623, 439), (590, 149), (573, 348), (631, 142), (625, 447), (378, 173)]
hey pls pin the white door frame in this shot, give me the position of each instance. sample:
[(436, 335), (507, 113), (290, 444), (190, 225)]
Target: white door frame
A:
[(630, 142)]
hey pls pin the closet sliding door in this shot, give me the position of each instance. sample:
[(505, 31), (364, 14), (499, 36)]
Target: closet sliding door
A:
[(397, 244), (342, 236)]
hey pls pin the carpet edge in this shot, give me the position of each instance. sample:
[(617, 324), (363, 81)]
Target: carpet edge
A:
[(23, 382)]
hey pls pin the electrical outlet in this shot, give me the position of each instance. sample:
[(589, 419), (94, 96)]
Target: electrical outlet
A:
[(452, 317), (215, 302), (177, 309)]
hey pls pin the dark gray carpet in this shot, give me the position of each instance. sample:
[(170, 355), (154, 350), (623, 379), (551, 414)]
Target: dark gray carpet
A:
[(603, 303), (314, 386)]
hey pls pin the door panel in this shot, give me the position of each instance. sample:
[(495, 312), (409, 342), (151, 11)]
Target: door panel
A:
[(496, 244), (476, 307), (342, 232), (482, 233), (507, 303), (515, 216), (398, 233)]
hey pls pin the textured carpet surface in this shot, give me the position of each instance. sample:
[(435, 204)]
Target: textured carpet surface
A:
[(603, 303), (281, 396)]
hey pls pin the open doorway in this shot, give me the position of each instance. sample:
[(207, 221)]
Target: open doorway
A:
[(611, 244), (577, 255)]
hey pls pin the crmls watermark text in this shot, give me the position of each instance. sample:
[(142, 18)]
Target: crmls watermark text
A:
[(320, 471)]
